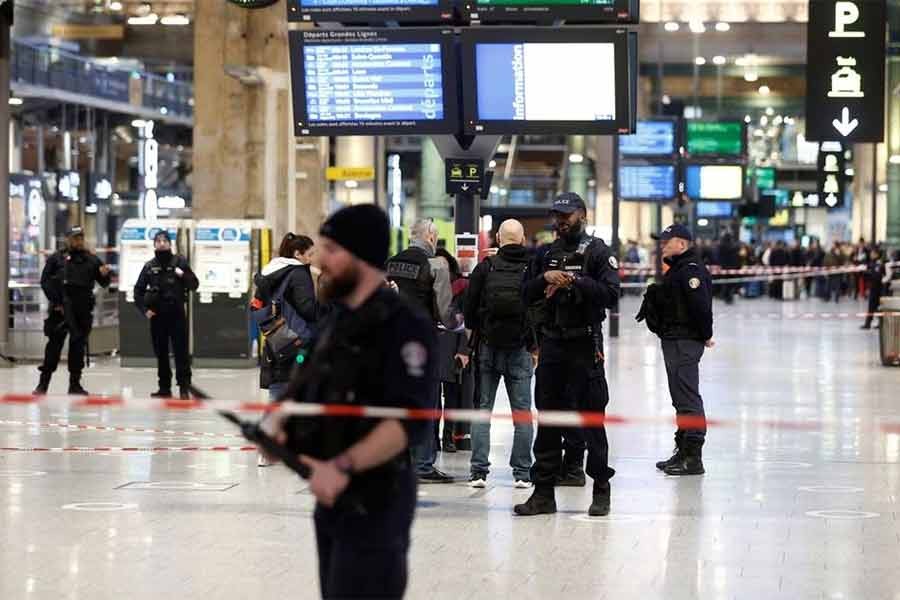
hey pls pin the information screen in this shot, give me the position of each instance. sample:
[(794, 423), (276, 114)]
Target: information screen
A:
[(715, 210), (715, 138), (367, 11), (535, 81), (647, 182), (714, 182), (583, 11), (373, 82), (652, 138), (765, 178)]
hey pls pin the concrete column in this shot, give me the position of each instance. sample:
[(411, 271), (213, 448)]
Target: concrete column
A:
[(892, 206), (15, 146), (433, 201), (355, 151), (577, 173), (862, 193)]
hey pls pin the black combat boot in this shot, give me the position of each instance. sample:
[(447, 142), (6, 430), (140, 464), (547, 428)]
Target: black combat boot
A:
[(542, 502), (162, 393), (600, 504), (677, 454), (571, 476), (75, 388), (691, 462), (43, 385)]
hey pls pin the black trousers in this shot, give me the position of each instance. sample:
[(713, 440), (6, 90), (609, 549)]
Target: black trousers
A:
[(171, 326), (682, 358), (76, 324), (576, 383), (573, 445), (874, 302), (365, 556)]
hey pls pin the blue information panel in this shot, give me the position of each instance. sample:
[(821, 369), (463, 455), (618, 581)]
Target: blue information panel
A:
[(647, 182), (361, 81), (715, 210), (652, 138)]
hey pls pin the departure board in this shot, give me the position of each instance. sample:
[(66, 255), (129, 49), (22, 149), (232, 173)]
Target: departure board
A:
[(647, 182), (371, 11), (715, 138), (540, 11), (714, 182), (652, 138), (373, 82)]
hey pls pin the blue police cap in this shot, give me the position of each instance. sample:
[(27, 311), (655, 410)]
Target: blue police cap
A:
[(674, 231), (567, 203)]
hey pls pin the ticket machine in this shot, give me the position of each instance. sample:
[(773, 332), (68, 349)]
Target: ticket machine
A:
[(225, 255), (136, 248)]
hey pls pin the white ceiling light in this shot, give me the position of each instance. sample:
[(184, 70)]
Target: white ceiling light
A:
[(151, 19), (764, 90), (672, 26), (16, 102), (723, 26), (719, 60), (576, 159), (697, 27), (699, 61), (175, 20), (115, 6), (351, 184), (751, 76)]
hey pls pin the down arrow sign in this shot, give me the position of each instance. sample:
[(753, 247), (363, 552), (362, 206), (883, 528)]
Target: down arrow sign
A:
[(845, 126)]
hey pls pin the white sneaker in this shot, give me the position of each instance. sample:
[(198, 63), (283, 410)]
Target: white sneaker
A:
[(477, 481), (263, 461), (523, 485)]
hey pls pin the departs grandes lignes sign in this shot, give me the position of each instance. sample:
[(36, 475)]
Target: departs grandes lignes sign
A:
[(845, 71)]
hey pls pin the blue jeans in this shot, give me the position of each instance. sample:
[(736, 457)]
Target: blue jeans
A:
[(424, 453), (516, 368), (276, 389)]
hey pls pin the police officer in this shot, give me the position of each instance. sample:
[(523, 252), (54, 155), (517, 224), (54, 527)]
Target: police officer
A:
[(684, 310), (376, 348), (578, 280), (424, 279), (68, 282), (879, 274), (159, 294)]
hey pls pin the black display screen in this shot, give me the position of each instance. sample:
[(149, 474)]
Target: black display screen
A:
[(370, 11)]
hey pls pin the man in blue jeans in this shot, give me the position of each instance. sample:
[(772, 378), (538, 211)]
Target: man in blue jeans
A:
[(496, 312)]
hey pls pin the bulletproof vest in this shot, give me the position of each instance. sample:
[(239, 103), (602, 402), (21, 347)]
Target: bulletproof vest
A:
[(411, 271), (567, 314), (79, 271), (673, 306), (164, 285)]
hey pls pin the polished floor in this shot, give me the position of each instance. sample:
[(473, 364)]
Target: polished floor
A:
[(799, 501)]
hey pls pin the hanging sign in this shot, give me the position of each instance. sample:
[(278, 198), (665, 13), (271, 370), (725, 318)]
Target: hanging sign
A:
[(845, 71)]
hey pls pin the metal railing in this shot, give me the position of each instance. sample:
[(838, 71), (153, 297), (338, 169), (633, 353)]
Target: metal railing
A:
[(53, 68)]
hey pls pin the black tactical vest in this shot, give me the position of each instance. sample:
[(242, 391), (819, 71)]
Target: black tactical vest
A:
[(79, 271), (411, 271), (567, 314)]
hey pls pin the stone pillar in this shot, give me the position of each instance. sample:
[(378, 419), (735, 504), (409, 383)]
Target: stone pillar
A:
[(355, 151), (433, 201), (577, 173), (892, 206)]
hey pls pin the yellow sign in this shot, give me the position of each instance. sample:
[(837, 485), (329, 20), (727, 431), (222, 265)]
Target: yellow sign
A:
[(350, 173), (69, 31)]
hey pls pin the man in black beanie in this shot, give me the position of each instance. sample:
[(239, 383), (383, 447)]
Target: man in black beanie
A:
[(375, 349)]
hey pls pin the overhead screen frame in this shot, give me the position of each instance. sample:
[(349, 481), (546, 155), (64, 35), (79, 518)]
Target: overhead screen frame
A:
[(621, 12), (649, 164), (624, 64), (704, 156), (442, 13), (449, 71), (676, 139), (736, 199)]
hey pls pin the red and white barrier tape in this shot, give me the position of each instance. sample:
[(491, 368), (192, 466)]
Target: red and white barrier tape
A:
[(760, 278), (129, 450), (632, 269), (110, 429)]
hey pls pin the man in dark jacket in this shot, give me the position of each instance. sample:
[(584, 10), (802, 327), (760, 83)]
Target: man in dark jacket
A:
[(685, 310), (496, 312), (68, 282), (160, 294), (728, 259)]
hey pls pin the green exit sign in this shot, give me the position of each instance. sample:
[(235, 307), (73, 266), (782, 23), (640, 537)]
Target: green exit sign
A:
[(253, 3)]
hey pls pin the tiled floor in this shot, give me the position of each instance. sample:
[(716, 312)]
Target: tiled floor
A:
[(213, 526)]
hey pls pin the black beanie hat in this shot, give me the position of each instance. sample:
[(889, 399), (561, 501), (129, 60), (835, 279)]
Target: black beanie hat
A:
[(363, 230)]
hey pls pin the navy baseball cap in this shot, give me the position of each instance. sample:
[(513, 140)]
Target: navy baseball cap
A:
[(674, 231), (75, 231), (567, 203)]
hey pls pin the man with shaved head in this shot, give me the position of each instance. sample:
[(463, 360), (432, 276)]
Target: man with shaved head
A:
[(496, 311)]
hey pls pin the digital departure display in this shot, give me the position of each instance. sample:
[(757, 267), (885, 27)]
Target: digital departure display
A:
[(535, 81), (714, 138), (373, 82), (652, 138), (714, 182), (647, 182), (538, 11), (715, 210), (369, 11)]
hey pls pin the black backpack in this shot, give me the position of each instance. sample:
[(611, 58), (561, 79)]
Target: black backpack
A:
[(503, 308)]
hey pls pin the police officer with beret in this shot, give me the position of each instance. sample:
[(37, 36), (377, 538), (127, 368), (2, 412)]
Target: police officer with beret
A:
[(375, 349), (577, 281), (682, 309), (160, 294), (68, 282)]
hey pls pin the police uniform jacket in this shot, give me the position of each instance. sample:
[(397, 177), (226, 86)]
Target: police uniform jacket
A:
[(72, 275), (686, 304), (158, 286)]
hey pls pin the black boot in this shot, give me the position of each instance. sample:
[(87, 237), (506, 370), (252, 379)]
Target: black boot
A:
[(43, 385), (600, 504), (184, 392), (690, 464), (542, 502), (162, 393), (677, 454), (449, 444), (571, 476), (75, 388)]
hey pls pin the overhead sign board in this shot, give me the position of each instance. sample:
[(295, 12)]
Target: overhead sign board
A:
[(350, 173), (548, 11), (845, 71), (370, 11), (831, 179), (464, 175)]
